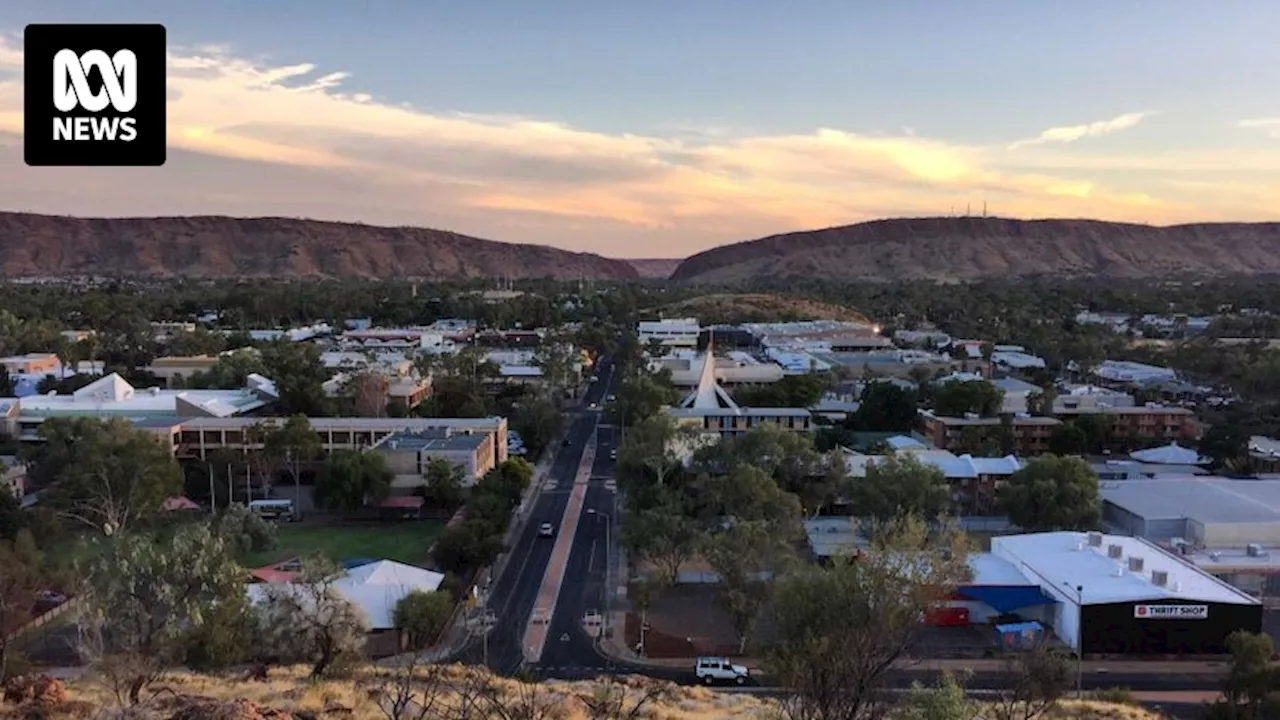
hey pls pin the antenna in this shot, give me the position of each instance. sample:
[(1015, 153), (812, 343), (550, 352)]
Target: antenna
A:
[(984, 208), (968, 209)]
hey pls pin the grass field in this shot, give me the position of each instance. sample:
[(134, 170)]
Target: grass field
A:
[(406, 542)]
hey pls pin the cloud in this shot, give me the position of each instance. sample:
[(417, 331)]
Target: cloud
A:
[(1071, 133), (303, 140), (1270, 125)]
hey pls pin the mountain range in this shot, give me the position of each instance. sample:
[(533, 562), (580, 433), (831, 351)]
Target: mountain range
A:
[(938, 248)]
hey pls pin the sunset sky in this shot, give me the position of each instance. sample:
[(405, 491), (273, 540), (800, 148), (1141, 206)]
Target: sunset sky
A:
[(662, 128)]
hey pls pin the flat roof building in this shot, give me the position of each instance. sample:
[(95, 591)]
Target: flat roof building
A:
[(408, 454), (1205, 511), (1125, 595)]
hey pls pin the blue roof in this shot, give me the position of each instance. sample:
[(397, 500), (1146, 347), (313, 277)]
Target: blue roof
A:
[(353, 563), (1006, 599)]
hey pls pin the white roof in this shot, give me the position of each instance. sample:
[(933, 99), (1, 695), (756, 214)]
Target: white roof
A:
[(1171, 454), (1061, 561), (905, 442), (951, 465), (1206, 499), (991, 570), (112, 395), (374, 588)]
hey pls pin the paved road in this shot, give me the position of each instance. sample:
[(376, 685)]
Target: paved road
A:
[(514, 594)]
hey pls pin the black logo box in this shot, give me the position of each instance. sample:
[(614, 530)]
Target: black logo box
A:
[(41, 43)]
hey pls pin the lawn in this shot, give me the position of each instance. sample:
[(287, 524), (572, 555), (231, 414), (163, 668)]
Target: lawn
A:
[(406, 542)]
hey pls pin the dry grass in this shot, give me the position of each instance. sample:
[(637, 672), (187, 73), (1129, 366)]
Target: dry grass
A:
[(290, 691), (759, 307)]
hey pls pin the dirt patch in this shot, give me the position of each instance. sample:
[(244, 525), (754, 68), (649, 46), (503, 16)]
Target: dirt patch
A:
[(685, 621)]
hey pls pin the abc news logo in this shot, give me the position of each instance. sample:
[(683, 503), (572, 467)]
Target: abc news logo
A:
[(107, 106)]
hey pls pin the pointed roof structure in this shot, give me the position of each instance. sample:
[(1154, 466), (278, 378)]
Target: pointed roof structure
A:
[(1171, 454), (709, 395)]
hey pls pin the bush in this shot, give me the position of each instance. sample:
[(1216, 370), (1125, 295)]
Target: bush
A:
[(1116, 695)]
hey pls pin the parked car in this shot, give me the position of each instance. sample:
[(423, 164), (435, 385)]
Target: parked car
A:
[(717, 669), (613, 454), (546, 529)]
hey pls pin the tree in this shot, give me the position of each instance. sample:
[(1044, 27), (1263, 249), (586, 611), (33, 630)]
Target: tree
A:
[(955, 398), (12, 517), (945, 701), (746, 493), (467, 546), (747, 557), (1226, 445), (664, 536), (299, 374), (145, 598), (105, 474), (367, 393), (538, 420), (835, 632), (1068, 439), (1037, 678), (309, 620), (885, 407), (1052, 493), (423, 616), (445, 482), (900, 484), (350, 479), (290, 443), (21, 579), (792, 391), (1252, 680), (245, 531), (559, 361)]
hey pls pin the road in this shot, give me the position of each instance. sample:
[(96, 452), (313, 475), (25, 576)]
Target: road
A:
[(513, 596)]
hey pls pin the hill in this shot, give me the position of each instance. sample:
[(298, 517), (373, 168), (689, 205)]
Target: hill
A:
[(656, 268), (969, 248), (217, 246), (733, 308), (288, 694)]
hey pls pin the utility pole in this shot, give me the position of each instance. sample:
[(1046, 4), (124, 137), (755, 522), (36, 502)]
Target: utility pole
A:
[(484, 620), (213, 499), (1079, 642)]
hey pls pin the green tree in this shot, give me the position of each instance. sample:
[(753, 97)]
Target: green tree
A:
[(538, 420), (792, 391), (445, 482), (310, 621), (423, 616), (834, 633), (1226, 445), (664, 536), (468, 546), (1068, 439), (12, 517), (350, 479), (1052, 493), (290, 444), (244, 531), (105, 474), (21, 579), (145, 599), (299, 375), (955, 398), (899, 484), (747, 557), (227, 637), (885, 407)]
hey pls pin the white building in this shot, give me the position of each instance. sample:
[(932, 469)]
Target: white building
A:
[(1133, 372), (671, 332)]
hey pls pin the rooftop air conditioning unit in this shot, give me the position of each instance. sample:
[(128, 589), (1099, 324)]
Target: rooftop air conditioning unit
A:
[(1095, 539), (1159, 578), (1115, 552), (1135, 564)]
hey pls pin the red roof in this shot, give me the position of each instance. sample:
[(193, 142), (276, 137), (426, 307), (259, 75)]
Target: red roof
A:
[(272, 575), (412, 502), (180, 503)]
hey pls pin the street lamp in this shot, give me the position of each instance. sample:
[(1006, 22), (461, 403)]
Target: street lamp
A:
[(1079, 639)]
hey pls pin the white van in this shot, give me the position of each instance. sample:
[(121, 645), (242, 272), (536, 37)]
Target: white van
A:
[(717, 669), (277, 510)]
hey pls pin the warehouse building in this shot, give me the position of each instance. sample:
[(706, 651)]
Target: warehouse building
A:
[(1128, 596), (1201, 512)]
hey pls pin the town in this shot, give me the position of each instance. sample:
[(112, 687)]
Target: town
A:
[(571, 480)]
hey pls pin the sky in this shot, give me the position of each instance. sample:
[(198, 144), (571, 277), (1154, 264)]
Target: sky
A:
[(663, 128)]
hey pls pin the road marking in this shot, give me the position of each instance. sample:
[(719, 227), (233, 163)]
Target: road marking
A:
[(535, 634)]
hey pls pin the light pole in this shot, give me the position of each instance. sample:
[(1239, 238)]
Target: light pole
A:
[(1079, 639)]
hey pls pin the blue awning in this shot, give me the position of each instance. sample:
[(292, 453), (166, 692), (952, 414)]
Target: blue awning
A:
[(1007, 598), (1023, 627)]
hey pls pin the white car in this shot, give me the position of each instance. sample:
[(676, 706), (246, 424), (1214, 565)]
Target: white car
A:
[(546, 529), (717, 669)]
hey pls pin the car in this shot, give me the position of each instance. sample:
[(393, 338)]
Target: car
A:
[(717, 669), (613, 454), (593, 406), (546, 530), (611, 398), (566, 442)]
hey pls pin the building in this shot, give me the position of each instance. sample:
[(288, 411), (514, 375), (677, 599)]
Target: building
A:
[(404, 384), (710, 409), (1015, 357), (111, 396), (739, 368), (1125, 371), (1028, 435), (1264, 454), (1204, 512), (32, 364), (1017, 394), (1135, 470), (1082, 398), (197, 437), (671, 332), (973, 481), (1127, 596), (1148, 423), (409, 453)]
